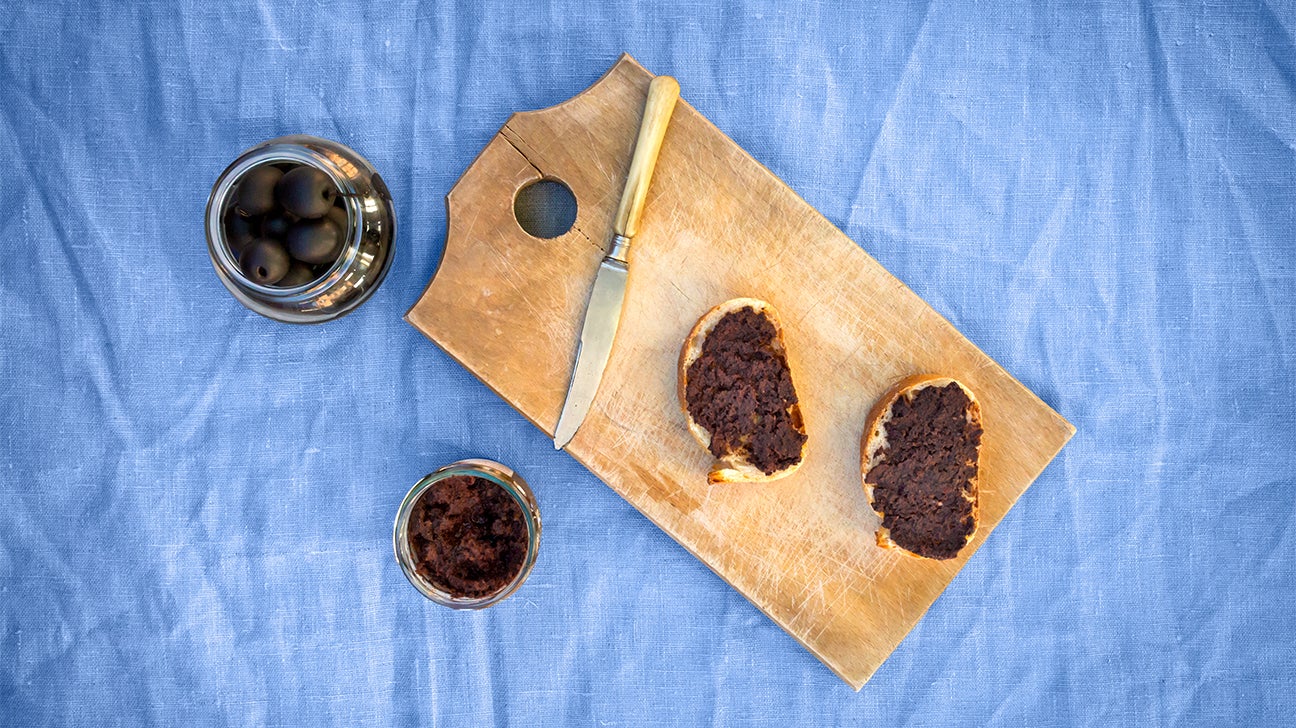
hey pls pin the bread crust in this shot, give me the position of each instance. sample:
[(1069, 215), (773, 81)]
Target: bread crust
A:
[(734, 469), (874, 440)]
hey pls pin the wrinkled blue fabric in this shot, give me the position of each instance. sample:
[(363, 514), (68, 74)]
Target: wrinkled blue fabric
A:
[(196, 502)]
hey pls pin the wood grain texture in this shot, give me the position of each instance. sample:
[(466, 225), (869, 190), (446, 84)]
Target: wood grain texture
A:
[(718, 225)]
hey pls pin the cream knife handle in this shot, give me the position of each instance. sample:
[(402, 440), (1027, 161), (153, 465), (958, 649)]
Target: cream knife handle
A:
[(663, 92)]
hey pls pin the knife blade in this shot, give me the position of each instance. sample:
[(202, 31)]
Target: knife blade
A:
[(602, 317), (603, 312)]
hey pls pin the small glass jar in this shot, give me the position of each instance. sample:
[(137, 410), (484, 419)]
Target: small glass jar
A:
[(513, 485), (368, 246)]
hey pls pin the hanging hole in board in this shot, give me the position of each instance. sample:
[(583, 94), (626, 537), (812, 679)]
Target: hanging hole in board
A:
[(545, 208)]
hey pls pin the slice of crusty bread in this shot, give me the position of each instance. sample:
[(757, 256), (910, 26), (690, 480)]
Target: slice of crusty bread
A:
[(875, 440), (734, 468)]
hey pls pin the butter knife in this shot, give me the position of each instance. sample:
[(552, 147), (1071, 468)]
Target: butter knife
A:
[(603, 312)]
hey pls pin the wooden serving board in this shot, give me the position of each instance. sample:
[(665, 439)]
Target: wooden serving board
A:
[(718, 225)]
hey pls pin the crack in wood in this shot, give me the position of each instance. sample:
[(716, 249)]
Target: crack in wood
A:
[(514, 144), (507, 133), (588, 239)]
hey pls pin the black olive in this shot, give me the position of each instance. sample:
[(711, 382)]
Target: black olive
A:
[(276, 224), (306, 192), (239, 230), (339, 217), (299, 274), (265, 261), (315, 241), (256, 191)]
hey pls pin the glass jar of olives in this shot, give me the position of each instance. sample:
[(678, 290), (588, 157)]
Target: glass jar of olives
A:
[(301, 229)]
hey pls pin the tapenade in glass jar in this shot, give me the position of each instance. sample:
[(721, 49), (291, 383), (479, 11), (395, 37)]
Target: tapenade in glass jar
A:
[(467, 535)]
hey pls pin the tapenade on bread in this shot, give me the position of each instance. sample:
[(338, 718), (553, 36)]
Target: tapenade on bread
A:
[(735, 386), (920, 460)]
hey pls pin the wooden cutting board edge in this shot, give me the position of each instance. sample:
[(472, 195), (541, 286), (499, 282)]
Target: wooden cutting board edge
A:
[(857, 680)]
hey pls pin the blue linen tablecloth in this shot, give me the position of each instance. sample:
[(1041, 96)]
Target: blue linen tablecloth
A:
[(196, 502)]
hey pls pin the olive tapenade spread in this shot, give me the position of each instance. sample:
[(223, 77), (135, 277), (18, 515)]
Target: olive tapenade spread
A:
[(923, 482), (740, 390), (468, 536)]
